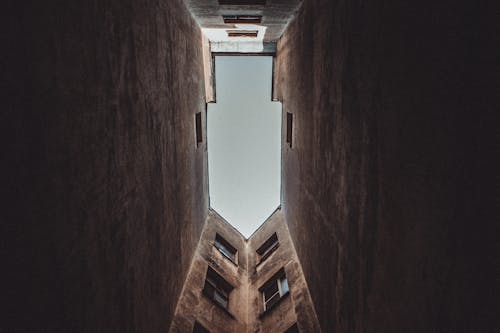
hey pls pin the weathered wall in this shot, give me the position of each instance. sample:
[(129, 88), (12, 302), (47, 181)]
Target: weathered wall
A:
[(245, 311), (385, 189), (296, 307), (104, 191), (193, 304)]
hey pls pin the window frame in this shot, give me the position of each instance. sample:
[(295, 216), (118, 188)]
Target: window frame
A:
[(242, 19), (242, 2), (289, 129), (226, 249), (279, 279), (268, 247), (215, 285), (243, 33), (198, 128)]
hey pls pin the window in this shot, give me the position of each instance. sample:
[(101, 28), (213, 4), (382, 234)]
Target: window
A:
[(198, 328), (245, 19), (242, 2), (225, 248), (289, 128), (242, 33), (217, 289), (274, 289), (268, 247), (293, 329), (199, 133)]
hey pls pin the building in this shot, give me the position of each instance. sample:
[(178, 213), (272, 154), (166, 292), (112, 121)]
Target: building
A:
[(388, 188), (253, 285)]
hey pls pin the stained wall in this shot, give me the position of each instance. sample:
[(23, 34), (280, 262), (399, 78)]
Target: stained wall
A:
[(293, 308), (385, 188), (105, 190), (193, 304), (247, 275)]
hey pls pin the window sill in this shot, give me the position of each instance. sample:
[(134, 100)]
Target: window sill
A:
[(265, 313), (226, 311)]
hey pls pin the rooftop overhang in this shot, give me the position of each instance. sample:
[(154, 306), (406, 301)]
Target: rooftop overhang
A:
[(255, 37)]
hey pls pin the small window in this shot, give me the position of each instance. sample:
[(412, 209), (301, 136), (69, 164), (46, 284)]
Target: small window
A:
[(269, 246), (242, 33), (274, 289), (293, 329), (289, 128), (242, 19), (199, 132), (217, 289), (198, 328), (242, 2), (225, 248)]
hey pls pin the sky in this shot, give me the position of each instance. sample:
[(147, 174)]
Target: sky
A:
[(244, 142)]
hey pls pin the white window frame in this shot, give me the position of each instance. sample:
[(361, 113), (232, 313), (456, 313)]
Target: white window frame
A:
[(280, 280)]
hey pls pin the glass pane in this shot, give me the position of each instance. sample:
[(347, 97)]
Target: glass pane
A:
[(219, 298), (270, 249), (284, 286), (226, 252), (209, 289), (271, 290)]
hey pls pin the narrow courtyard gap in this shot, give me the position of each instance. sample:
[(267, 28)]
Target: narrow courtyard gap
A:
[(244, 142)]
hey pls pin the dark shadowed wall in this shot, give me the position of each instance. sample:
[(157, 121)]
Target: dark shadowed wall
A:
[(386, 187), (105, 191)]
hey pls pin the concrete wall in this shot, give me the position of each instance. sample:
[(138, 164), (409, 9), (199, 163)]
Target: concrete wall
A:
[(385, 189), (297, 307), (245, 311), (104, 191), (193, 304)]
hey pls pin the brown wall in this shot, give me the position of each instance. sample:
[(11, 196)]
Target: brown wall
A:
[(297, 306), (384, 190), (193, 304), (105, 191), (245, 311)]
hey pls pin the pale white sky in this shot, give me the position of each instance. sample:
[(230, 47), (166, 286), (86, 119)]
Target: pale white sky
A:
[(244, 151)]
